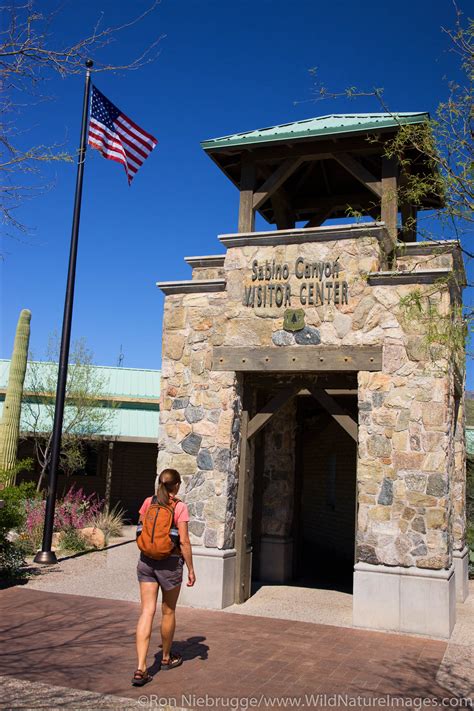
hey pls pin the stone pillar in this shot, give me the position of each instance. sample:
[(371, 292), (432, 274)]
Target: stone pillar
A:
[(199, 429), (276, 543), (458, 499), (404, 556)]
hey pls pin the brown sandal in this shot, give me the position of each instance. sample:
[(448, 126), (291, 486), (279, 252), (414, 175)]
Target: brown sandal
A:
[(175, 660), (140, 678)]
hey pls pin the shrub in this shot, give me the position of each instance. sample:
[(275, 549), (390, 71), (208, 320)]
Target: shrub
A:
[(71, 540), (12, 517), (110, 522), (11, 561), (470, 513), (74, 511)]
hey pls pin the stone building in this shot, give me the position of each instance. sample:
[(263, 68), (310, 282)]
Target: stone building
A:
[(318, 430)]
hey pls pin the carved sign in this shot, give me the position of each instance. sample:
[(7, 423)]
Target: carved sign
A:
[(319, 284)]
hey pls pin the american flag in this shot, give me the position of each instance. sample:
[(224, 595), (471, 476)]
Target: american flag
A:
[(116, 136)]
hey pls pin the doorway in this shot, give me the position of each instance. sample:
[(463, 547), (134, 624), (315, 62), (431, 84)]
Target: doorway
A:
[(303, 484), (325, 497)]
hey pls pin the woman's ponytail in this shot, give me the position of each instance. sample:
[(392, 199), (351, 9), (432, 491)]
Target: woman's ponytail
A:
[(167, 481)]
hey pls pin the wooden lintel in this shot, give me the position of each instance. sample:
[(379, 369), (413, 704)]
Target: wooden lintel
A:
[(303, 359), (275, 180), (361, 174), (336, 411), (270, 408)]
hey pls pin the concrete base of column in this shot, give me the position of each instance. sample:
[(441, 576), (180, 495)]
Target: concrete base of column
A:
[(412, 600), (461, 572), (276, 559), (215, 574)]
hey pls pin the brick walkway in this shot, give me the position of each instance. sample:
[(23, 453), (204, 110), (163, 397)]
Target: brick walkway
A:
[(88, 644)]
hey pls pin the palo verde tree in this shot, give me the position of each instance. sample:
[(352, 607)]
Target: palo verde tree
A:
[(445, 144), (85, 416), (31, 53)]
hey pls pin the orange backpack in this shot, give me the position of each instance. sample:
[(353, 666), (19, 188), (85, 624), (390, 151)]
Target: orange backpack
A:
[(154, 540)]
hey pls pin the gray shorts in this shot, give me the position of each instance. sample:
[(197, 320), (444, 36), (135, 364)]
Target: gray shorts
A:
[(168, 573)]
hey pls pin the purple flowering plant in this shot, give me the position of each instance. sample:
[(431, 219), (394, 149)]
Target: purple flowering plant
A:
[(74, 511)]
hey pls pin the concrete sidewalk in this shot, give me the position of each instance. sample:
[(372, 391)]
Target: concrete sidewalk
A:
[(87, 644)]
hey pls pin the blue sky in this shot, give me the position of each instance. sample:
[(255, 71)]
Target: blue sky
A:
[(224, 66)]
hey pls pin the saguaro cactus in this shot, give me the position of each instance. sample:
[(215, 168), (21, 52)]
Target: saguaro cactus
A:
[(10, 423)]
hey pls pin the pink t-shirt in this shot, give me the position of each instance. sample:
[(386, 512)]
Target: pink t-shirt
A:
[(181, 512)]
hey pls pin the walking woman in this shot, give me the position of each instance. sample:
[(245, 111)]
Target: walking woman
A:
[(165, 573)]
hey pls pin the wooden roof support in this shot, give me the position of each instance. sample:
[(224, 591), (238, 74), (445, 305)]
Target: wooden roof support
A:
[(409, 223), (271, 408), (358, 171), (389, 209), (320, 217), (275, 180), (283, 216), (335, 410), (247, 186)]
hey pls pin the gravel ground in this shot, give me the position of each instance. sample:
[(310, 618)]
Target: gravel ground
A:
[(290, 602), (20, 694), (456, 672)]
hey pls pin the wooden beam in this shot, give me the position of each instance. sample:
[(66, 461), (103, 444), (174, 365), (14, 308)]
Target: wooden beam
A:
[(304, 359), (325, 177), (270, 408), (275, 180), (247, 185), (309, 150), (318, 219), (389, 209), (358, 171), (308, 204), (409, 223), (241, 514), (336, 411), (282, 214)]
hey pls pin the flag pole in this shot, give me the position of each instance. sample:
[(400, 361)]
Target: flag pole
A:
[(46, 555)]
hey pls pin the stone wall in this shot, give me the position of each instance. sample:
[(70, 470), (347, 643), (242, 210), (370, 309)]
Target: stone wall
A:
[(279, 472), (199, 415), (410, 475)]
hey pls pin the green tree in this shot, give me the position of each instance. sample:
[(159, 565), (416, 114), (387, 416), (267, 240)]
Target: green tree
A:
[(86, 415), (445, 143)]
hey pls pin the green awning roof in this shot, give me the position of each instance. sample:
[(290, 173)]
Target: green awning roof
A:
[(329, 125), (133, 413)]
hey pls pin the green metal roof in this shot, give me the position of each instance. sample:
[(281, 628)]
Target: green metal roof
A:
[(319, 126), (129, 382), (127, 419), (126, 423)]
